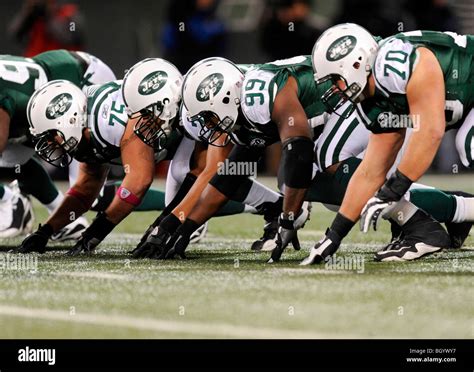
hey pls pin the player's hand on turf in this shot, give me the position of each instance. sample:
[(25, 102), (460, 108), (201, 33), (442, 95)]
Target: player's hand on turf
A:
[(94, 234), (287, 233), (153, 245), (86, 245), (384, 200), (37, 241), (147, 234), (142, 240), (176, 246), (323, 249)]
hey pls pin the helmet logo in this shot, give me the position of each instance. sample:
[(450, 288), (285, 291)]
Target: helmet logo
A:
[(58, 106), (340, 48), (152, 83), (213, 83)]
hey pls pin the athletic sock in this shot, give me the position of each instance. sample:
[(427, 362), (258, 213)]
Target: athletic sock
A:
[(464, 209), (230, 208), (51, 207), (34, 180), (402, 211), (440, 205), (154, 200)]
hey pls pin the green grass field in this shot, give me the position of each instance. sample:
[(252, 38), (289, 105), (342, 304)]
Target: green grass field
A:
[(225, 290)]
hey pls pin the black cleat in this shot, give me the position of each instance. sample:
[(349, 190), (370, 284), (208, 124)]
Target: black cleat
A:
[(421, 235), (269, 231), (458, 232)]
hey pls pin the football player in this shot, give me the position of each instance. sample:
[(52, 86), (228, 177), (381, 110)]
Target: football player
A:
[(94, 128), (339, 146), (426, 75), (255, 197), (19, 78)]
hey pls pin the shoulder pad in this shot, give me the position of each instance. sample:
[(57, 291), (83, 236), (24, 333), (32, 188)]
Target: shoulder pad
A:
[(258, 92), (393, 66)]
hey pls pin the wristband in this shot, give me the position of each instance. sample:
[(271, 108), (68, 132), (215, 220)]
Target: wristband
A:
[(170, 223), (396, 186), (79, 196), (100, 227), (128, 197), (45, 230), (187, 228)]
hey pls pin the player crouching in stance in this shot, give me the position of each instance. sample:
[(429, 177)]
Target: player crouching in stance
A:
[(215, 88), (94, 128), (212, 100), (408, 74)]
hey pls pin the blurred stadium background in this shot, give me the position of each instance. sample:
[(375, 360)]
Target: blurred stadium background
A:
[(121, 32)]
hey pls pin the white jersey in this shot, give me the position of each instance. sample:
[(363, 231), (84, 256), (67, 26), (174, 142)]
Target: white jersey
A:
[(107, 118)]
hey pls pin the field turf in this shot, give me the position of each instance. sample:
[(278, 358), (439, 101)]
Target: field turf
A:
[(224, 290)]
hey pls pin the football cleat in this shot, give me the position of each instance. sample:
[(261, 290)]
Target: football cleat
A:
[(197, 235), (422, 235), (73, 231), (265, 243), (323, 249), (16, 214), (458, 232)]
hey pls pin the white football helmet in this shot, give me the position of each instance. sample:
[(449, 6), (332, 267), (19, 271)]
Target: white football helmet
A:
[(211, 96), (343, 52), (57, 114), (151, 90)]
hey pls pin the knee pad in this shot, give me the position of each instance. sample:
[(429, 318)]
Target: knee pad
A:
[(233, 187), (297, 162)]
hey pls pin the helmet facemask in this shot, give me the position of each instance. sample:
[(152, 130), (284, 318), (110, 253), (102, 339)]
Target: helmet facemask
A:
[(212, 128), (336, 97), (52, 147), (154, 124)]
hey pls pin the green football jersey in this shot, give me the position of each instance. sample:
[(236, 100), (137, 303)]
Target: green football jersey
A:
[(397, 58), (20, 77), (263, 82)]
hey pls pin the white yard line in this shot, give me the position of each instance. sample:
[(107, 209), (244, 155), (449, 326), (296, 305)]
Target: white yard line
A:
[(93, 275), (197, 329)]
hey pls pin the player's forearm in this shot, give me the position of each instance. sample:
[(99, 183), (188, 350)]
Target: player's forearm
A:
[(129, 195), (70, 209), (293, 200), (183, 209), (208, 205), (4, 129), (361, 188), (420, 152)]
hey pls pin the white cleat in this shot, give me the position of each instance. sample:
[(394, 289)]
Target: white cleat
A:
[(16, 214), (197, 235), (73, 231)]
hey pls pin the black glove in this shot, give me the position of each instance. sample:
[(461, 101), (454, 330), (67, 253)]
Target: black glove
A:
[(323, 249), (37, 241), (180, 240), (157, 238), (287, 233), (153, 245), (94, 234), (177, 246), (146, 234)]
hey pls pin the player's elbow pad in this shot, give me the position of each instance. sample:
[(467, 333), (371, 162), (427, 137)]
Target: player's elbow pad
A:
[(297, 162)]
